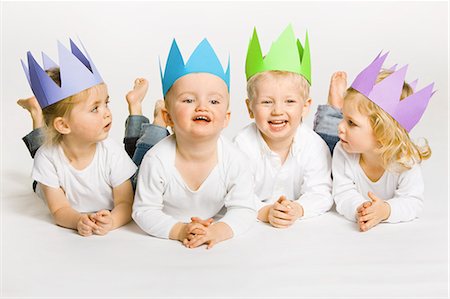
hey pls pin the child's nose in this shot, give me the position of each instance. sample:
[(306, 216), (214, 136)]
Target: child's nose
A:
[(341, 127), (277, 108)]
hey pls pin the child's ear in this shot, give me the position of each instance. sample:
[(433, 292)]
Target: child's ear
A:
[(250, 112), (61, 125), (227, 119), (306, 106), (166, 117)]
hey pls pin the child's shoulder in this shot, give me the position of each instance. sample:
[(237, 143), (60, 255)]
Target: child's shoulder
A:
[(164, 149), (246, 134), (308, 139)]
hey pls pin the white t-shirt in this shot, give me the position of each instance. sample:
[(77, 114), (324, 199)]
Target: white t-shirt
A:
[(403, 191), (305, 176), (163, 199), (90, 189)]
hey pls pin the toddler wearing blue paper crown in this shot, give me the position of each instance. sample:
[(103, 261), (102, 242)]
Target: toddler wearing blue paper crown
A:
[(376, 166), (188, 177), (83, 176), (291, 163)]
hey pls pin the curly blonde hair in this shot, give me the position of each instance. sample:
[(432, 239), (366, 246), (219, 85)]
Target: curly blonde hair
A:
[(397, 150), (252, 82)]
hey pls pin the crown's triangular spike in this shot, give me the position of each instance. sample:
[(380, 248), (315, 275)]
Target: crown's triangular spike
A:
[(48, 62), (254, 56), (306, 61), (27, 72), (413, 84), (204, 53), (387, 92), (38, 80), (286, 47), (77, 52), (410, 110), (365, 80), (393, 68)]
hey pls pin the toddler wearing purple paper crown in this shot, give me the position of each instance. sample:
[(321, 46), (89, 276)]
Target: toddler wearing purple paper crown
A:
[(83, 176), (376, 167)]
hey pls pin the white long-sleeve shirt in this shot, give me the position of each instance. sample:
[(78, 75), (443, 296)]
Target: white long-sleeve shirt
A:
[(163, 199), (305, 176), (402, 191)]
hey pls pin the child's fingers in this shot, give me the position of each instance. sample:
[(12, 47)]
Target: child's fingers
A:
[(280, 222), (206, 222), (198, 231), (279, 207), (282, 215), (197, 241), (192, 226), (371, 223), (366, 217)]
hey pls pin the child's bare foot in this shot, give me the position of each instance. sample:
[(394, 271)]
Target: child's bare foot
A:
[(338, 86), (32, 105), (157, 114), (136, 96)]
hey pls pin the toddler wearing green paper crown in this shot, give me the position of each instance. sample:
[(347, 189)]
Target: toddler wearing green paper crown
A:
[(291, 164)]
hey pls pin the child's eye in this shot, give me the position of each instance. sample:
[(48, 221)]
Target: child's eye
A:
[(290, 101), (188, 101), (351, 123), (215, 102), (95, 109), (107, 103), (266, 102)]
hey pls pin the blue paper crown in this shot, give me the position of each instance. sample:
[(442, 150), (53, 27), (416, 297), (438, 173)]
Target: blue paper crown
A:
[(202, 60), (77, 72)]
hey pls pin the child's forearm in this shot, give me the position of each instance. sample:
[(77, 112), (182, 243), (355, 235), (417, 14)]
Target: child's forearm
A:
[(222, 231), (177, 232), (263, 213), (121, 214), (67, 217)]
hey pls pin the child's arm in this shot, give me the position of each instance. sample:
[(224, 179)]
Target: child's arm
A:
[(120, 214), (316, 197), (64, 215), (407, 202), (346, 196)]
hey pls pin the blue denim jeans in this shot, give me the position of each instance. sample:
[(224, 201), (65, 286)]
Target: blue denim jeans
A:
[(326, 123)]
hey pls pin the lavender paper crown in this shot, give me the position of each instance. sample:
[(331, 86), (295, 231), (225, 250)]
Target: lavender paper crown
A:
[(386, 94), (77, 71)]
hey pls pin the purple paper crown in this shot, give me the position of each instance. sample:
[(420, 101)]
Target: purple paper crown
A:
[(386, 93), (77, 71)]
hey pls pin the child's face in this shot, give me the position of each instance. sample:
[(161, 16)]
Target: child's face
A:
[(278, 108), (354, 130), (90, 119), (197, 106)]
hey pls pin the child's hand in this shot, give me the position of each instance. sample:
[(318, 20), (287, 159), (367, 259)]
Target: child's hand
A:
[(214, 234), (104, 221), (86, 226), (371, 213), (197, 226), (284, 213)]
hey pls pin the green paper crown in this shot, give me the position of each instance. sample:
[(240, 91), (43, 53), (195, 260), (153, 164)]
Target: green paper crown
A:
[(286, 54)]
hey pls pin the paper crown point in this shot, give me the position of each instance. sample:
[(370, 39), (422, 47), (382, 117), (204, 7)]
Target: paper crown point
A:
[(386, 93), (77, 72), (286, 54), (202, 60)]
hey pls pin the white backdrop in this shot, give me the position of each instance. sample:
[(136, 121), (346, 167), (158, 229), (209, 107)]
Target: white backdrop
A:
[(125, 41)]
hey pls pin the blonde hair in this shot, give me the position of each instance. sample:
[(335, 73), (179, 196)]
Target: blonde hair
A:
[(61, 108), (397, 150), (253, 81)]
